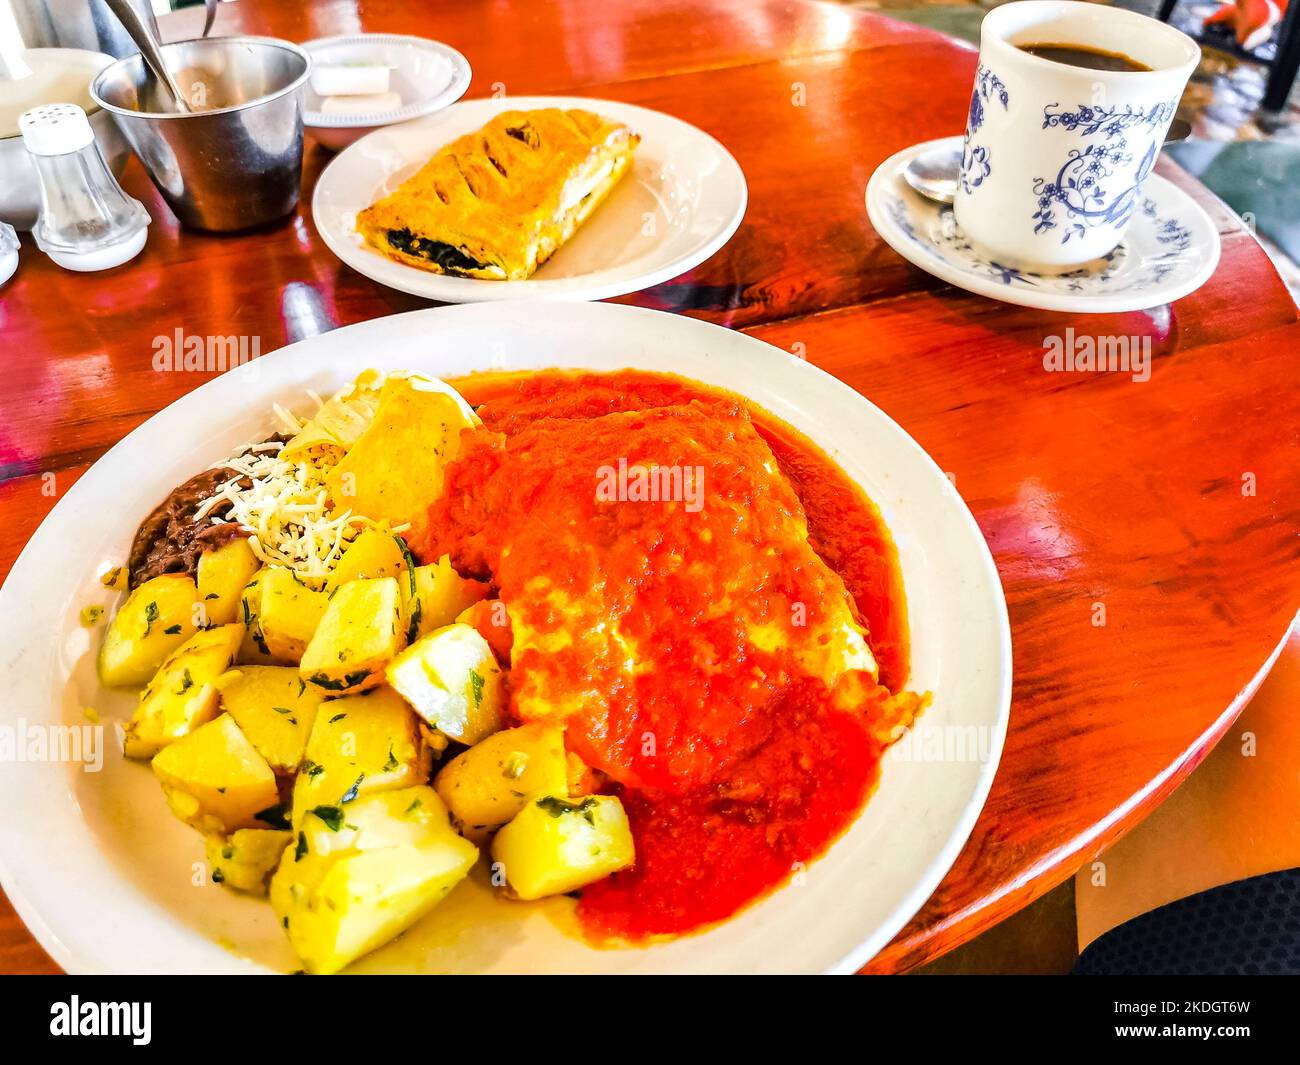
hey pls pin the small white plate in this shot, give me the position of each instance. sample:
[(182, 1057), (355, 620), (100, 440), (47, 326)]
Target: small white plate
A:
[(427, 75), (681, 202), (1171, 248), (109, 881)]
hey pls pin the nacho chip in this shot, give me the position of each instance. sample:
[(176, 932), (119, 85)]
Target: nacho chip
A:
[(340, 422)]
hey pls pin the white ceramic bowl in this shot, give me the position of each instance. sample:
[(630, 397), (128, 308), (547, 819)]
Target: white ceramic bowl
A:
[(427, 75), (110, 881)]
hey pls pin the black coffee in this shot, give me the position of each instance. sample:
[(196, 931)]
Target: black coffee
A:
[(1078, 55)]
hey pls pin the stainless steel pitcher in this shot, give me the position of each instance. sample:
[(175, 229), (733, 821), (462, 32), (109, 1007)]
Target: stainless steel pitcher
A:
[(85, 24)]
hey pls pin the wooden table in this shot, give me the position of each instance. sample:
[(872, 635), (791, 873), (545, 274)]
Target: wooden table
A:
[(1170, 504)]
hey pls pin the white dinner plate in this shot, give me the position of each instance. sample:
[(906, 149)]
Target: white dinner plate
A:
[(1171, 248), (109, 881), (681, 202)]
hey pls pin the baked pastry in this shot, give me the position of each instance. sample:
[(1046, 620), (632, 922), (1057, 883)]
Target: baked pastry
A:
[(496, 203)]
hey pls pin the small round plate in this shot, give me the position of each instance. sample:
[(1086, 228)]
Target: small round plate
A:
[(680, 203), (427, 75), (1171, 249)]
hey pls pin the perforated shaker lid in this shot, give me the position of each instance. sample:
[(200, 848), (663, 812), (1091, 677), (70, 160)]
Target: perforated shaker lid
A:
[(55, 129)]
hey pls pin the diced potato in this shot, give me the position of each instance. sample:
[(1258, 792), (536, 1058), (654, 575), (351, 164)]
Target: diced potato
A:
[(223, 573), (288, 614), (489, 617), (359, 744), (374, 553), (245, 859), (452, 680), (275, 708), (338, 907), (381, 819), (215, 780), (356, 638), (554, 846), (355, 878), (492, 781), (182, 694), (253, 650), (399, 463), (156, 619), (434, 597)]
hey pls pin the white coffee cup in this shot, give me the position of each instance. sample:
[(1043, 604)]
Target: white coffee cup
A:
[(1055, 155)]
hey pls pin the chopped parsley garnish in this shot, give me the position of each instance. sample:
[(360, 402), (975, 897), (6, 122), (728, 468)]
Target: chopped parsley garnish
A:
[(312, 769), (218, 877), (392, 762), (300, 851), (337, 717), (281, 709), (476, 683), (150, 616), (415, 805), (410, 563), (331, 815), (274, 816), (559, 807), (172, 630), (187, 682), (322, 680), (351, 793), (413, 628)]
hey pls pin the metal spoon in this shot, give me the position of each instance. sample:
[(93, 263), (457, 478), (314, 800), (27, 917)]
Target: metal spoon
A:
[(933, 173), (149, 49)]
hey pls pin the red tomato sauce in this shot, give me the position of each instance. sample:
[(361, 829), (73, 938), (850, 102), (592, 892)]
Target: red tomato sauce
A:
[(755, 771)]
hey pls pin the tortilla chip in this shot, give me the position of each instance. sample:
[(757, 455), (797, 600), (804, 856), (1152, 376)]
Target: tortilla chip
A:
[(340, 421)]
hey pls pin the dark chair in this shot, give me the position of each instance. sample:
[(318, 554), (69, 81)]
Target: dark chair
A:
[(1284, 64)]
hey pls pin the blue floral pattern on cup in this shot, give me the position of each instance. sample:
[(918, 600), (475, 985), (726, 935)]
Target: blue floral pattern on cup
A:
[(1096, 184), (976, 164), (987, 86)]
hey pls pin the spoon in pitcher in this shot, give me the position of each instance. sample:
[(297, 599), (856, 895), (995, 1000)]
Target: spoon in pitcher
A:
[(150, 51), (933, 172)]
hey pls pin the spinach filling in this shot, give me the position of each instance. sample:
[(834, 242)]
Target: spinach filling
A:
[(445, 255)]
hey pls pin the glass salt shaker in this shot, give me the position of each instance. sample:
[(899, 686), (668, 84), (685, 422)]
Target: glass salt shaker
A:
[(86, 222), (8, 252)]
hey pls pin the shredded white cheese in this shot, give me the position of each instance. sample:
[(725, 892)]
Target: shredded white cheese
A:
[(283, 505)]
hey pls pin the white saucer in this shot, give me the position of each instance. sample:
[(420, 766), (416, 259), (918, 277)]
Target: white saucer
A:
[(683, 198), (427, 75), (1170, 249)]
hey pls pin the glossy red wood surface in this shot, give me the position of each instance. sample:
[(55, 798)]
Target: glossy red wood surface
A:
[(1091, 489)]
